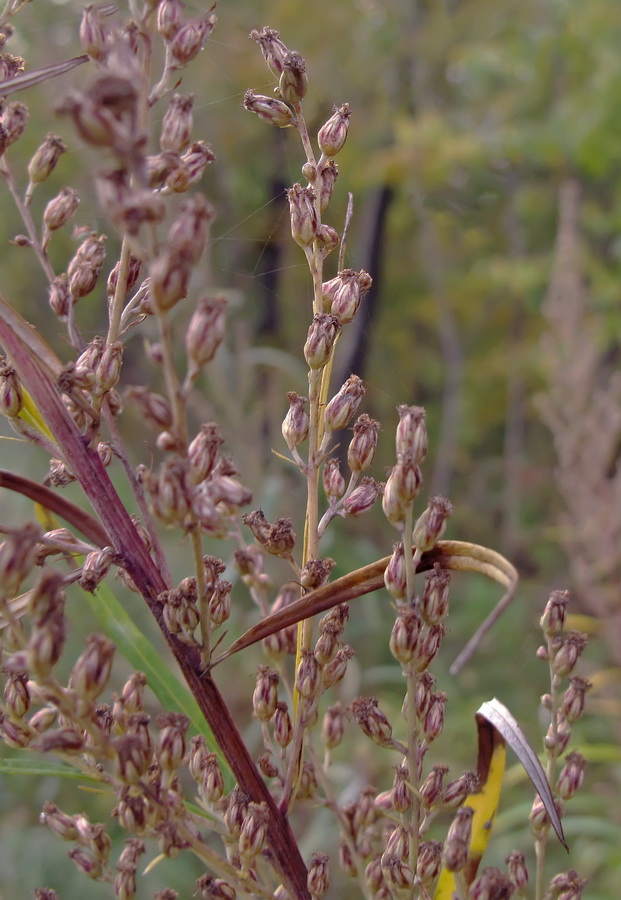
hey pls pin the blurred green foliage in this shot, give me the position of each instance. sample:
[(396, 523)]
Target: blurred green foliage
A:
[(469, 114)]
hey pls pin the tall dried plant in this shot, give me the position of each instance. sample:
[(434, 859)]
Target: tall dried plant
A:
[(209, 796)]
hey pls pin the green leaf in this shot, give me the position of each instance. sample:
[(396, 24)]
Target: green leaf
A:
[(26, 765)]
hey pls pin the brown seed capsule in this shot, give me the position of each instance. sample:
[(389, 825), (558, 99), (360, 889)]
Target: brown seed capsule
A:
[(404, 635), (92, 33), (362, 446), (456, 791), (45, 158), (92, 669), (17, 558), (265, 695), (295, 424), (253, 831), (171, 740), (394, 574), (372, 721), (572, 704), (333, 726), (430, 526), (177, 124), (328, 175), (433, 721), (435, 599), (273, 49), (190, 39), (13, 118), (206, 331), (332, 479), (318, 880), (11, 397), (322, 334), (293, 82), (59, 296), (455, 852), (341, 408), (327, 240), (270, 110), (333, 134), (565, 661), (335, 671), (492, 884), (516, 865), (362, 498), (553, 618)]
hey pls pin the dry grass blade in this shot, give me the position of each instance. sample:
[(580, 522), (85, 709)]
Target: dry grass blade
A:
[(453, 555), (29, 79)]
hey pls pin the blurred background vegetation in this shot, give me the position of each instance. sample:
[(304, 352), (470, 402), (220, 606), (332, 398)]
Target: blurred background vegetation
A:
[(483, 157)]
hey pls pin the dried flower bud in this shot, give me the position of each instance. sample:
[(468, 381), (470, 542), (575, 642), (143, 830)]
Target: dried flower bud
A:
[(86, 863), (281, 724), (327, 241), (315, 573), (456, 791), (169, 18), (333, 481), (59, 296), (565, 886), (265, 695), (254, 831), (271, 110), (273, 49), (293, 82), (362, 446), (91, 671), (372, 721), (556, 740), (328, 175), (565, 661), (539, 818), (492, 884), (362, 498), (45, 158), (516, 865), (435, 599), (394, 573), (236, 811), (203, 451), (177, 124), (400, 795), (553, 618), (572, 704), (92, 33), (333, 134), (109, 367), (429, 861), (341, 408), (220, 603), (404, 635), (190, 39), (206, 331), (411, 433), (336, 669), (430, 526), (169, 279), (61, 740), (431, 788), (17, 557), (132, 695), (295, 423), (58, 822), (322, 334), (308, 675), (455, 852), (17, 695), (154, 408), (342, 295), (171, 740), (211, 783), (333, 726), (571, 776), (14, 118), (11, 396), (433, 722), (318, 880), (189, 232), (398, 875), (15, 733)]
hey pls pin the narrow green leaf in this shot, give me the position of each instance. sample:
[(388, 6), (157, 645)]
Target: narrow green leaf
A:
[(27, 765), (144, 657)]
